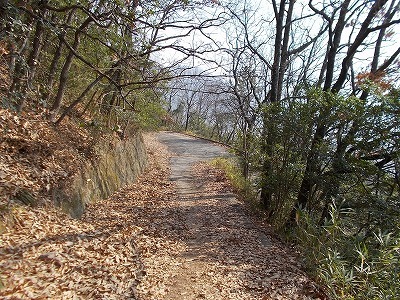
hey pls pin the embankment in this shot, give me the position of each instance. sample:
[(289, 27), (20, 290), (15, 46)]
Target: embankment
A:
[(118, 163)]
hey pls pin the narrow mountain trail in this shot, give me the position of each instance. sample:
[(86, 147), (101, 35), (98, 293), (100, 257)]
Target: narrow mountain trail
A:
[(177, 233), (220, 252)]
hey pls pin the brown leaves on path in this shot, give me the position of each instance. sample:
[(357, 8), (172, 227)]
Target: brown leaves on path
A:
[(216, 249), (149, 242), (47, 255)]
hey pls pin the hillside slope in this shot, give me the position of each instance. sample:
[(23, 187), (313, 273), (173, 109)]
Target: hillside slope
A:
[(35, 156)]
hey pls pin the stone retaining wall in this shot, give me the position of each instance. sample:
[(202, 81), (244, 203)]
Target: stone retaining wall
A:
[(119, 164)]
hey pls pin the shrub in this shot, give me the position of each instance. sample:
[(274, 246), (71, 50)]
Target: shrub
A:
[(353, 265), (234, 174)]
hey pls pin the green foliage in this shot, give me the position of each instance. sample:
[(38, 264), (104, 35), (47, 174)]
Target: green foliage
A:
[(198, 125), (356, 251), (356, 159), (233, 173), (248, 148), (289, 136), (151, 114), (110, 77), (351, 264)]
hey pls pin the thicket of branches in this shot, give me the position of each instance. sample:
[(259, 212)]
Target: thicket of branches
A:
[(306, 91), (92, 57), (312, 99)]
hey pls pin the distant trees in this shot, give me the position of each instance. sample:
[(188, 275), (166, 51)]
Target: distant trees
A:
[(199, 104)]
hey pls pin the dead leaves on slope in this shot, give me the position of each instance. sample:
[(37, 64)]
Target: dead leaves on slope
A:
[(35, 155), (144, 239), (47, 255)]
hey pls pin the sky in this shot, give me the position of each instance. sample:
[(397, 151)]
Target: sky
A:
[(260, 18)]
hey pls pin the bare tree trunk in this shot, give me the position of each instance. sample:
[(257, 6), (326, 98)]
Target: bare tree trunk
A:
[(56, 58), (187, 119), (65, 70), (3, 12), (109, 101), (33, 58), (274, 96), (343, 142), (313, 163), (79, 99), (17, 66), (85, 109)]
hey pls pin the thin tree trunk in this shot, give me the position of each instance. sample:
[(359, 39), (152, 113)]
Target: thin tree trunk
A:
[(187, 120), (65, 70), (79, 99), (17, 66), (33, 59), (277, 75), (313, 163), (88, 104), (17, 62), (339, 160), (56, 58), (3, 13)]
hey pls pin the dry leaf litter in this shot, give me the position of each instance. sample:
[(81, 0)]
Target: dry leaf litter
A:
[(220, 251), (147, 242), (47, 255), (35, 156)]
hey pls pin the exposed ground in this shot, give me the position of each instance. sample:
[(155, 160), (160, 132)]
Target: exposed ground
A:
[(223, 252), (176, 233)]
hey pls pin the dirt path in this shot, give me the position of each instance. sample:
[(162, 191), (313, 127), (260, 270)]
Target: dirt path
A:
[(176, 233), (190, 280), (223, 253)]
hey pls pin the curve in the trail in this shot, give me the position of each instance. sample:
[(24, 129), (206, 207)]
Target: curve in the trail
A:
[(228, 253), (186, 152)]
